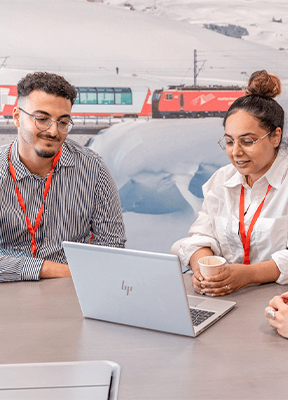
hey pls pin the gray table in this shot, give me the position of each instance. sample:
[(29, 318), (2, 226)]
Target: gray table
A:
[(240, 357)]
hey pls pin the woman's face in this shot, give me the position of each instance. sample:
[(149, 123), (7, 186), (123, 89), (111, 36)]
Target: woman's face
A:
[(253, 164)]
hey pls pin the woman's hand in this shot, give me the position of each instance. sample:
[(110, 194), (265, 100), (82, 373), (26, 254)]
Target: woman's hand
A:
[(232, 277), (277, 312), (197, 279)]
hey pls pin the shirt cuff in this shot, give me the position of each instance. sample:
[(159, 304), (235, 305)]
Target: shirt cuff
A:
[(31, 269), (191, 244)]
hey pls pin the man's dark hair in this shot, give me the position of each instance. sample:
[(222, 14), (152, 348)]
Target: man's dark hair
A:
[(50, 83)]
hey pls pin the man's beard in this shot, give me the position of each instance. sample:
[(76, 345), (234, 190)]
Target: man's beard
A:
[(45, 154)]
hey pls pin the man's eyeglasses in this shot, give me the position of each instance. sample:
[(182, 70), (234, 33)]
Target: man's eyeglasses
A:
[(43, 123), (245, 142)]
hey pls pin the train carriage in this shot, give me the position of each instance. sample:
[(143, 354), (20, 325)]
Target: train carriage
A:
[(8, 99), (94, 101), (113, 101)]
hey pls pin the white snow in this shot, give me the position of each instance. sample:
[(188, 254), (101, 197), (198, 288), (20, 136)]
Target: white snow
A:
[(87, 41), (158, 166), (259, 17)]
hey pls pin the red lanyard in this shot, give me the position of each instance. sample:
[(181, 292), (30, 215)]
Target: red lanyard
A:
[(32, 230), (246, 239)]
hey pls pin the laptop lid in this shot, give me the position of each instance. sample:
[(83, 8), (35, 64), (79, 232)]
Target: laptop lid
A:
[(131, 287), (60, 380)]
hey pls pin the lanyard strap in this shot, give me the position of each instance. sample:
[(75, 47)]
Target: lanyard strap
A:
[(246, 239), (32, 230)]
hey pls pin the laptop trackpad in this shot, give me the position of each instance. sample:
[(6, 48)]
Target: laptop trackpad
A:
[(195, 301)]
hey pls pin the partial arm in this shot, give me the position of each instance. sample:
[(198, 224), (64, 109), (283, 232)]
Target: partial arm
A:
[(201, 236), (237, 276), (202, 233), (107, 221), (22, 268), (51, 269), (17, 266)]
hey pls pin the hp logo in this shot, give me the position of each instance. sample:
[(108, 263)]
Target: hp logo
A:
[(127, 288)]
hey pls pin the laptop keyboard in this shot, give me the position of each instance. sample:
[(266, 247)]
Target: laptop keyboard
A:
[(199, 316)]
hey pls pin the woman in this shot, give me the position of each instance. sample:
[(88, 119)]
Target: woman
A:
[(244, 216), (277, 312)]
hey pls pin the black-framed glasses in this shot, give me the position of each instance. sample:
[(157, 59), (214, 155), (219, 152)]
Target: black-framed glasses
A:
[(43, 123), (245, 142)]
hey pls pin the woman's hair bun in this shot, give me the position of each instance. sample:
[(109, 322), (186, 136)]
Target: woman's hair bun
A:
[(263, 84)]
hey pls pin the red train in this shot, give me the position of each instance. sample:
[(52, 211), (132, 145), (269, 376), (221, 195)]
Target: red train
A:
[(194, 101), (175, 102)]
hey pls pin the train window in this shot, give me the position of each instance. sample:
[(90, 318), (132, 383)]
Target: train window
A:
[(169, 96), (105, 95), (77, 100), (86, 96), (123, 96), (105, 98), (105, 89), (156, 96)]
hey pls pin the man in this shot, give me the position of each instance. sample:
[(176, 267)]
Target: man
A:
[(51, 189)]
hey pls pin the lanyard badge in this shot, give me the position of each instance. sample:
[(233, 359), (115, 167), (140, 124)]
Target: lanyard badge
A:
[(32, 230), (246, 238)]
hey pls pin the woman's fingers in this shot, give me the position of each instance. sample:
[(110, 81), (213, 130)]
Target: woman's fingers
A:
[(219, 291), (196, 282)]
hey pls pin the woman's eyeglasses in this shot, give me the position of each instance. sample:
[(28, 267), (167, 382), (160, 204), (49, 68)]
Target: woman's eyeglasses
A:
[(245, 142)]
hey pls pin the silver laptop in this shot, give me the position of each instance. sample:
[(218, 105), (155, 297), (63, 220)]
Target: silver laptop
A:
[(140, 289), (97, 380)]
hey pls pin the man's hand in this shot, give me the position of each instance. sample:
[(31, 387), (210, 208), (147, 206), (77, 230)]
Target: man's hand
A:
[(51, 269)]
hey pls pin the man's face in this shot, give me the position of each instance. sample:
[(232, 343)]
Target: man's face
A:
[(41, 105)]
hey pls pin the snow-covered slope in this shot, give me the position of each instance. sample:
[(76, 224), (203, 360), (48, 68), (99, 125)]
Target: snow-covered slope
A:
[(266, 21), (92, 39), (159, 166)]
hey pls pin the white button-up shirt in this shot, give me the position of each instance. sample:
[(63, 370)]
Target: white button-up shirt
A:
[(217, 225)]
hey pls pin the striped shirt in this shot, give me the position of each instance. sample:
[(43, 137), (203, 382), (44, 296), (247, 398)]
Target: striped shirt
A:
[(82, 200)]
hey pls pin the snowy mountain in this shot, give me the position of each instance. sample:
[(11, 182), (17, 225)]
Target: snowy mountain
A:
[(158, 166), (265, 21), (87, 41)]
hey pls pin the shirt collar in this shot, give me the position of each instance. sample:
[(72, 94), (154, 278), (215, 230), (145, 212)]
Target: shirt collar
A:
[(235, 180), (274, 176), (4, 166), (66, 160)]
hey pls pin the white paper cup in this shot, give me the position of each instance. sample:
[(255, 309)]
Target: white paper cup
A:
[(211, 265)]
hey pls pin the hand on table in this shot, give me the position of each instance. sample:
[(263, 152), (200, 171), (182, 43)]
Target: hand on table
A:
[(277, 312), (231, 278)]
